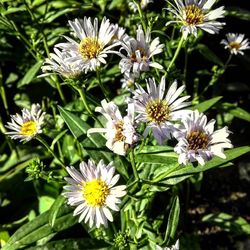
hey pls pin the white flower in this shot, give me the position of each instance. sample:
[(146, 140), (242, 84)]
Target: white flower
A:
[(197, 140), (58, 63), (159, 110), (119, 33), (120, 131), (129, 79), (193, 14), (138, 52), (26, 126), (93, 193), (94, 45), (176, 246), (236, 43), (143, 3)]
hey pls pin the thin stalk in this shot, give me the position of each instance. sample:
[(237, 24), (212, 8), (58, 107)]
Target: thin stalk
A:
[(175, 54), (85, 103), (45, 144), (141, 17), (227, 62), (101, 85), (185, 65), (59, 89), (3, 93), (84, 100), (132, 160)]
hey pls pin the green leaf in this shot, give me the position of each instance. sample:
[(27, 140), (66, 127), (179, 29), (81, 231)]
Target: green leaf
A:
[(55, 209), (75, 124), (237, 225), (173, 221), (204, 106), (30, 75), (76, 244), (157, 154), (240, 113), (45, 203), (209, 54), (240, 13), (39, 228), (184, 172)]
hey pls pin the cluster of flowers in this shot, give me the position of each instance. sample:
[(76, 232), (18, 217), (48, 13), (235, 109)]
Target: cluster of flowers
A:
[(162, 112)]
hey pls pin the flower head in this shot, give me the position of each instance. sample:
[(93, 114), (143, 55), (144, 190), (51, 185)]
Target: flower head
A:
[(93, 192), (138, 52), (158, 110), (193, 14), (197, 140), (236, 43), (94, 45), (28, 125), (120, 131), (58, 62)]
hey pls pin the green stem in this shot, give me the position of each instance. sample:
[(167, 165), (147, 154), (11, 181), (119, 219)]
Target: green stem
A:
[(3, 93), (106, 94), (59, 89), (141, 17), (85, 103), (227, 62), (84, 100), (132, 160), (175, 54), (45, 144)]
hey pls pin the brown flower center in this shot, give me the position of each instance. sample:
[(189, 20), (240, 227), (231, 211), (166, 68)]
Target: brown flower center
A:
[(119, 135), (193, 15), (143, 55), (234, 45), (157, 111), (197, 140)]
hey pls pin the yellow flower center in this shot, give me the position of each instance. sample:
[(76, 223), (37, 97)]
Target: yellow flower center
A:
[(157, 111), (95, 192), (119, 135), (28, 128), (234, 45), (197, 140), (193, 15), (90, 47), (143, 55)]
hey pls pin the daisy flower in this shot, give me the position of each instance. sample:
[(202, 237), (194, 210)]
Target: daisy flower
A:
[(197, 140), (138, 52), (27, 125), (158, 110), (94, 45), (193, 14), (92, 190), (120, 131), (236, 43), (58, 63)]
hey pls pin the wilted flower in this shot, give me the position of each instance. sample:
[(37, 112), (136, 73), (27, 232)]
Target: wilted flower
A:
[(193, 14), (197, 140), (91, 51), (159, 110), (94, 193), (235, 43), (58, 62), (27, 125), (120, 131), (139, 52)]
